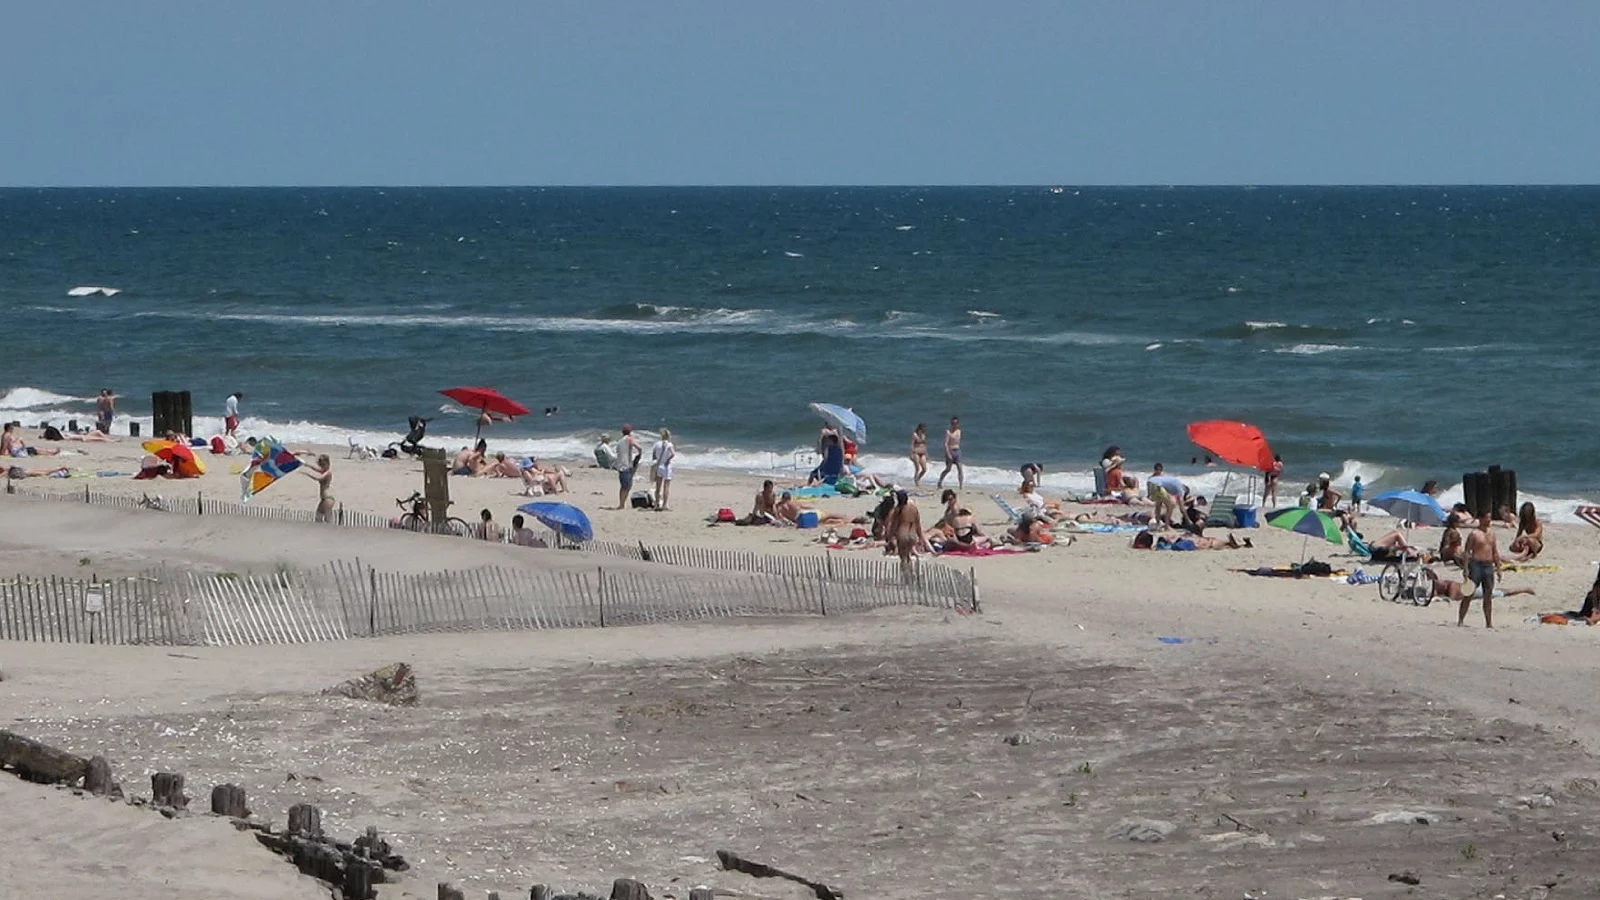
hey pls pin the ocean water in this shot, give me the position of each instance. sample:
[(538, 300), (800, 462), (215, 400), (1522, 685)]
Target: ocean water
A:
[(1396, 333)]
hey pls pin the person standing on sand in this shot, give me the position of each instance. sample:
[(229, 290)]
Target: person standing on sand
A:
[(919, 454), (1483, 559), (663, 453), (230, 415), (628, 456), (906, 534), (1269, 496), (952, 454), (105, 409), (322, 474)]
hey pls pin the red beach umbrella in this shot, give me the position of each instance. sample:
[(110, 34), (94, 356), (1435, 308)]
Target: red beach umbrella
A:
[(487, 399), (1235, 442)]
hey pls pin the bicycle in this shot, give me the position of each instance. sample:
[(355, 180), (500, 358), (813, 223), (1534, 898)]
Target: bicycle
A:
[(416, 518), (1407, 579)]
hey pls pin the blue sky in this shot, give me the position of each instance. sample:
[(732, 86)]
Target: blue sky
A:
[(829, 92)]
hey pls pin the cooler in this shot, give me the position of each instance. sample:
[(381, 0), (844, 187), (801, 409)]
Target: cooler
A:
[(1244, 516), (807, 519)]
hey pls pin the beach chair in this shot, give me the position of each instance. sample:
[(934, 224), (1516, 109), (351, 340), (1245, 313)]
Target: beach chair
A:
[(831, 468), (1100, 487), (1358, 546), (1011, 512), (1590, 514), (1220, 513)]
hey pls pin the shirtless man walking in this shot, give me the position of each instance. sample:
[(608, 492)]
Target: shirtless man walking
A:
[(952, 454), (1483, 559), (105, 410)]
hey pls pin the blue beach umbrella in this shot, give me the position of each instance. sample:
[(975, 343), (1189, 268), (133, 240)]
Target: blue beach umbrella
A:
[(565, 518), (1413, 506), (844, 419)]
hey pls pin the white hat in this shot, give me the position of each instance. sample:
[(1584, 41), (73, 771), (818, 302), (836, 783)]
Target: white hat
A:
[(1324, 477)]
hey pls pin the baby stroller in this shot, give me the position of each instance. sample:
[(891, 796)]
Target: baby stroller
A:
[(412, 442)]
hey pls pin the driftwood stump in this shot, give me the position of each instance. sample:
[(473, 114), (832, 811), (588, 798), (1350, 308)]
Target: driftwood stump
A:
[(358, 877), (305, 819), (539, 892), (38, 762), (701, 894), (628, 889), (166, 789), (733, 862), (446, 892), (228, 800), (97, 777)]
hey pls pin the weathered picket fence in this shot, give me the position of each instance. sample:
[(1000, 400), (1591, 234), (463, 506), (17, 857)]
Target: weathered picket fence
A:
[(348, 600), (857, 567)]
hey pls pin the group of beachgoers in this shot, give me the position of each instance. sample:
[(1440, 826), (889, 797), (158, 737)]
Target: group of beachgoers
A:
[(624, 458), (537, 478)]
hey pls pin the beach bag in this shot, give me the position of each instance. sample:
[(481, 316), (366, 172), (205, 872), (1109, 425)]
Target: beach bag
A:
[(605, 456), (725, 515), (1316, 567), (51, 433), (642, 500)]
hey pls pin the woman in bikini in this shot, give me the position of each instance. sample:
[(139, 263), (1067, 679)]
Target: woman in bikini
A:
[(919, 453), (905, 533), (1529, 541), (322, 474)]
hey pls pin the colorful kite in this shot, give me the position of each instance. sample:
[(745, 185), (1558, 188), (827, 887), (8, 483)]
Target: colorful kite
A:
[(270, 462)]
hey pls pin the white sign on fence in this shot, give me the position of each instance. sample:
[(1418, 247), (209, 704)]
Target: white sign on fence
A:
[(94, 601)]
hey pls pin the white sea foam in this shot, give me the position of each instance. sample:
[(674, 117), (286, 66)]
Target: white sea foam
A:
[(21, 398), (905, 228), (90, 290), (1314, 349), (792, 254), (1261, 326), (982, 314)]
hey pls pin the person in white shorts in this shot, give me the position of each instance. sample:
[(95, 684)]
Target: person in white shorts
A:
[(663, 454)]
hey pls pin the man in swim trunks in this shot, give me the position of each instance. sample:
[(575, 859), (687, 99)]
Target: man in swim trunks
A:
[(628, 456), (231, 413), (1483, 559), (952, 454), (105, 408)]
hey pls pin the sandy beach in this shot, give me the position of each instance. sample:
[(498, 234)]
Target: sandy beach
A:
[(1275, 724)]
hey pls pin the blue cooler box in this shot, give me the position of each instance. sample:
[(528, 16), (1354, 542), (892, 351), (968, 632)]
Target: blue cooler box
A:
[(807, 519), (1244, 516)]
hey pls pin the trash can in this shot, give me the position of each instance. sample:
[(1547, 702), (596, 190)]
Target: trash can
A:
[(1244, 516)]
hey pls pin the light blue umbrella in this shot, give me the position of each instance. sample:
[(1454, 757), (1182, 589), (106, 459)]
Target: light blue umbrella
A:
[(1412, 506), (844, 419), (565, 518)]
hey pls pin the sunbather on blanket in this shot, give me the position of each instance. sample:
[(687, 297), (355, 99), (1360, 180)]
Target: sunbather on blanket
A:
[(17, 473), (1030, 529), (1454, 590)]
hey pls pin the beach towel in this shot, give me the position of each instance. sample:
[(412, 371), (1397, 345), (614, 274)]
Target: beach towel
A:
[(1291, 572), (1529, 567), (815, 492), (1569, 617), (1099, 527), (270, 462)]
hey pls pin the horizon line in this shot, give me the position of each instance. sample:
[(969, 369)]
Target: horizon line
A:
[(805, 186)]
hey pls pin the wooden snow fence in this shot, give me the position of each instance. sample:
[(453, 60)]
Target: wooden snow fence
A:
[(345, 600)]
